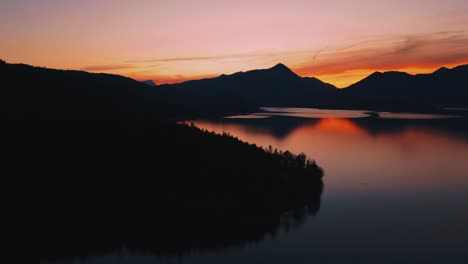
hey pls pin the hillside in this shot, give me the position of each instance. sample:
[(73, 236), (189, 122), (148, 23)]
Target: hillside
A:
[(277, 86), (36, 93), (165, 188), (443, 88)]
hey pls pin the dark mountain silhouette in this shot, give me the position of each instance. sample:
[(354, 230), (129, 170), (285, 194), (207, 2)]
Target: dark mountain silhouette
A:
[(277, 86), (441, 70), (399, 90), (41, 93), (149, 82)]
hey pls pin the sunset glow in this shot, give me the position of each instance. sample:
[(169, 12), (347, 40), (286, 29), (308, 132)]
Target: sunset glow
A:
[(339, 125), (337, 41)]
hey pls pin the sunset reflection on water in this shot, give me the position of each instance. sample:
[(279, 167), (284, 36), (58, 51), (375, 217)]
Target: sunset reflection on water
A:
[(406, 158)]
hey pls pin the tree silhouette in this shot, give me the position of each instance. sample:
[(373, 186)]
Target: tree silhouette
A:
[(301, 160), (130, 180)]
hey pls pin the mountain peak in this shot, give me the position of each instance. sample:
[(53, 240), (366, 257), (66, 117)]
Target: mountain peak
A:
[(441, 70), (149, 82), (280, 66), (374, 75), (282, 69)]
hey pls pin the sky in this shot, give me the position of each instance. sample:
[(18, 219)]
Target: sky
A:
[(168, 41)]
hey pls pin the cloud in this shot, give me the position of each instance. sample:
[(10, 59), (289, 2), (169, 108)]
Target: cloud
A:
[(337, 63), (315, 55), (164, 79), (429, 50), (216, 57), (108, 67)]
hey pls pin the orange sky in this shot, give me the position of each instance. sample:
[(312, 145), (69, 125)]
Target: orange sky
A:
[(337, 41)]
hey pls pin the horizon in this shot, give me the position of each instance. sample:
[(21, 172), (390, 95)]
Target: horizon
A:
[(280, 63), (337, 42)]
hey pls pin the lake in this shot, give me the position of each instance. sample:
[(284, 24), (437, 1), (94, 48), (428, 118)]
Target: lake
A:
[(395, 189)]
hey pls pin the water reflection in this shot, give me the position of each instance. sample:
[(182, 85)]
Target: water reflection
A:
[(397, 189), (368, 154), (338, 125), (396, 192), (182, 234), (333, 113)]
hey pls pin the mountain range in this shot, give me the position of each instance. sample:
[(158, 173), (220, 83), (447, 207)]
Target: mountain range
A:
[(279, 86), (41, 92), (442, 88)]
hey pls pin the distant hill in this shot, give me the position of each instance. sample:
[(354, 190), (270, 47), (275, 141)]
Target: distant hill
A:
[(149, 82), (443, 88), (41, 93), (277, 86), (34, 92)]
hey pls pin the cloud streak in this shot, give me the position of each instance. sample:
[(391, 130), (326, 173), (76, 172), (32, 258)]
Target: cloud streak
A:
[(315, 55), (342, 65), (403, 52), (120, 66), (203, 58), (108, 67)]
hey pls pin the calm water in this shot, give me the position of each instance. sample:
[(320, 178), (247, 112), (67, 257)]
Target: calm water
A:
[(396, 189)]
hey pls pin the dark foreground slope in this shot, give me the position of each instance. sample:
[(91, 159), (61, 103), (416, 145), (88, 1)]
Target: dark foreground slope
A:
[(161, 188), (106, 168)]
